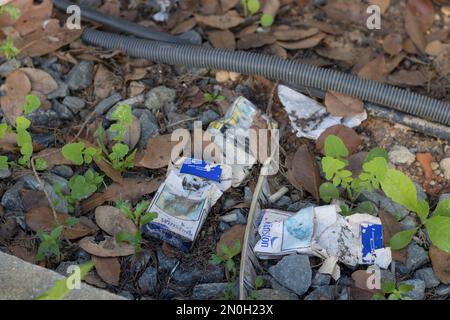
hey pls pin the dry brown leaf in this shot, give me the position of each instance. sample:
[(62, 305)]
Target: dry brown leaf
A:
[(294, 34), (271, 7), (347, 12), (361, 277), (418, 16), (391, 227), (106, 248), (136, 88), (41, 219), (355, 163), (8, 229), (442, 63), (394, 62), (305, 171), (133, 133), (229, 238), (12, 107), (53, 157), (108, 269), (303, 44), (17, 86), (112, 220), (136, 74), (9, 142), (407, 78), (441, 264), (129, 189), (184, 26), (341, 105), (158, 152), (383, 4), (107, 169), (375, 70), (393, 43), (33, 199), (228, 4), (110, 8), (40, 80), (434, 48), (228, 20), (255, 40), (94, 280), (350, 138), (104, 82), (223, 39), (24, 247)]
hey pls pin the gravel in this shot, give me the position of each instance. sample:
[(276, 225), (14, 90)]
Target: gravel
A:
[(208, 117), (401, 155), (148, 281), (418, 293), (409, 222), (417, 257), (5, 173), (61, 92), (234, 217), (428, 276), (75, 104), (323, 293), (156, 98), (62, 111), (443, 290), (81, 75), (445, 167), (293, 272), (320, 279), (63, 171), (149, 128), (107, 103)]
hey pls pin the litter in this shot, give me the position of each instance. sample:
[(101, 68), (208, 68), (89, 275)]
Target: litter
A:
[(323, 232), (184, 200), (231, 135), (308, 117)]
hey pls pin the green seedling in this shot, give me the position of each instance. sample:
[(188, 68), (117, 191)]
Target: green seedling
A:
[(266, 20), (4, 129), (40, 164), (139, 217), (119, 157), (225, 256), (62, 287), (13, 12), (393, 293), (79, 154), (250, 6), (213, 96), (259, 281), (24, 140), (396, 185), (124, 118), (9, 50), (32, 103)]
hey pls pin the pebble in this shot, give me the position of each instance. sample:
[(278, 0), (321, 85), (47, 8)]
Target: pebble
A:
[(104, 105), (45, 140), (11, 199), (186, 277), (192, 36), (208, 291), (132, 102), (148, 281), (75, 104), (283, 203), (299, 205), (248, 196), (157, 97), (417, 257), (165, 263), (293, 272), (272, 294), (81, 75), (444, 196), (149, 128), (47, 118), (418, 293), (428, 276), (445, 167), (126, 294), (401, 155), (443, 290), (5, 173), (61, 92), (223, 226), (208, 117), (320, 279), (63, 111), (62, 171), (9, 66), (234, 217), (434, 165)]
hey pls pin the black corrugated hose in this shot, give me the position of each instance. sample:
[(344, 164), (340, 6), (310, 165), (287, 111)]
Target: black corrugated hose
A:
[(275, 68)]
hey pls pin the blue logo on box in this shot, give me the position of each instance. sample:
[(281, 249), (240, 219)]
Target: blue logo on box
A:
[(202, 169), (371, 239)]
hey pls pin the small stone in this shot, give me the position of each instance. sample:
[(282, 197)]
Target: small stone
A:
[(63, 171), (283, 203), (107, 103), (63, 111), (444, 196), (148, 281), (133, 102), (9, 66), (248, 195), (445, 167), (208, 117), (443, 290), (11, 199), (5, 173), (64, 266), (45, 140), (157, 97), (297, 206), (229, 203), (75, 104), (61, 92), (234, 217), (293, 272), (208, 291), (383, 202), (428, 276), (186, 277), (272, 294), (323, 293), (223, 226), (387, 276), (409, 222), (142, 260), (417, 257), (401, 155), (213, 274), (49, 118), (418, 293), (320, 279), (149, 128), (81, 75), (192, 36), (165, 263), (434, 165)]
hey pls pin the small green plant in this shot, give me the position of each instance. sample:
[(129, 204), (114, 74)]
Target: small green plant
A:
[(139, 217), (32, 103), (79, 154), (124, 118), (13, 12), (80, 187), (396, 185), (250, 6), (4, 129), (393, 293), (62, 287), (225, 256), (40, 164), (50, 242), (213, 96), (119, 157), (259, 281), (9, 50), (266, 20), (24, 140)]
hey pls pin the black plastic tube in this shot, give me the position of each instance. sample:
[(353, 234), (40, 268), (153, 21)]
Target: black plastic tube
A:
[(275, 68), (120, 24)]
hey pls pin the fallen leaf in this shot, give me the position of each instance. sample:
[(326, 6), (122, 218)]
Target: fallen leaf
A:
[(425, 160), (383, 4), (184, 26), (440, 261), (107, 169), (442, 63), (209, 6), (355, 162), (8, 229), (407, 78), (255, 40), (24, 247), (375, 70), (106, 248), (223, 39), (434, 48), (136, 88), (418, 16), (305, 171), (360, 294), (271, 7), (228, 20), (303, 44), (393, 43), (350, 138), (33, 199), (229, 238), (158, 152), (40, 80), (53, 157), (112, 220), (12, 107), (129, 189), (347, 12), (17, 86), (41, 219), (361, 278), (104, 82), (393, 62), (108, 269), (110, 8), (391, 227), (294, 34), (94, 280), (133, 133), (341, 105), (228, 4)]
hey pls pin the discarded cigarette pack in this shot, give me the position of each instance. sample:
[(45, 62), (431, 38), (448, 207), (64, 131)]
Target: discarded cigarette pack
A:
[(184, 200), (322, 231), (231, 136)]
